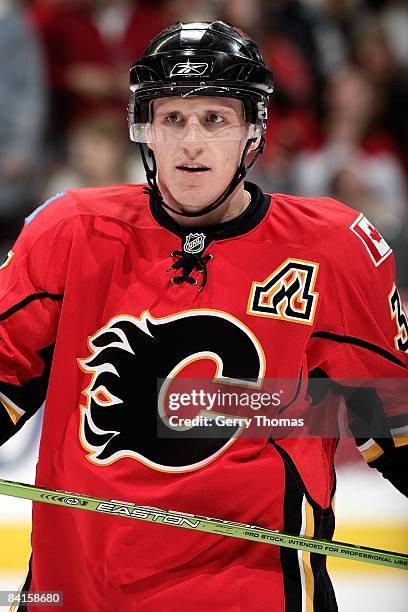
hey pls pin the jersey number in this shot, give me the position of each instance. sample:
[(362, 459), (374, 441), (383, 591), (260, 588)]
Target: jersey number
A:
[(397, 313)]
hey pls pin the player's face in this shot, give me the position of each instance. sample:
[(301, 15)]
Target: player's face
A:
[(198, 147)]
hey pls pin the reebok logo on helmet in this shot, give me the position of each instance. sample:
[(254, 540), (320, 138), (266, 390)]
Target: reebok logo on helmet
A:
[(189, 68)]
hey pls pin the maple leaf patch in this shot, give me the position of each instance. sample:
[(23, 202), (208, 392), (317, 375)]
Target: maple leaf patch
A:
[(377, 248)]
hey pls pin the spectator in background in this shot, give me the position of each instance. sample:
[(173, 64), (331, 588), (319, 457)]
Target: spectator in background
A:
[(22, 114), (394, 19), (97, 154), (302, 46), (192, 10), (247, 14), (89, 46), (356, 162), (373, 53)]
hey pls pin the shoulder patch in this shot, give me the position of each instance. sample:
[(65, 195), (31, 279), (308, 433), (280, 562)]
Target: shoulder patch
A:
[(57, 196), (377, 248)]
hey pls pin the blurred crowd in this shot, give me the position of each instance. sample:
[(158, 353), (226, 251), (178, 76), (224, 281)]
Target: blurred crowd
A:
[(338, 122)]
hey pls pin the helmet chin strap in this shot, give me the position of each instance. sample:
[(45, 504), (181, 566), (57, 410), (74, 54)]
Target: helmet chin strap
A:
[(239, 175)]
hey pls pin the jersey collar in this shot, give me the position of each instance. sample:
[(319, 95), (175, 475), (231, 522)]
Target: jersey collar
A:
[(238, 226)]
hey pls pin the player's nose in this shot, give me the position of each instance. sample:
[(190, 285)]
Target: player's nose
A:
[(193, 132)]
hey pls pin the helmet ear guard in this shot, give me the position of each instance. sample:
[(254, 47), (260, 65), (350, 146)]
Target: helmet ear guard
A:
[(200, 59)]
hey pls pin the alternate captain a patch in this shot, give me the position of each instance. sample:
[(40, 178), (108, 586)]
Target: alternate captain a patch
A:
[(287, 294), (376, 246)]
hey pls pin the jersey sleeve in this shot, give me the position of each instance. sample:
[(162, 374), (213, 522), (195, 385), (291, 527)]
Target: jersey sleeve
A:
[(31, 294), (360, 341)]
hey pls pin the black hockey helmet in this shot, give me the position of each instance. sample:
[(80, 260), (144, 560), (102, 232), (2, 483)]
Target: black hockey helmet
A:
[(210, 59), (201, 59)]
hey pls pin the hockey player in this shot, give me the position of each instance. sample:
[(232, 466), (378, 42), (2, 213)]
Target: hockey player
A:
[(109, 290)]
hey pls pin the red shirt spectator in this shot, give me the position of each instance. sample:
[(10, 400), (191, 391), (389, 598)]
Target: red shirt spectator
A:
[(90, 45)]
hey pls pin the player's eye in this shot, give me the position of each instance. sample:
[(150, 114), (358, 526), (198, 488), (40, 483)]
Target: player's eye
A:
[(173, 118), (215, 118)]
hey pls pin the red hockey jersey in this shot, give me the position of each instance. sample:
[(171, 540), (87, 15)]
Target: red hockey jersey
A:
[(99, 300)]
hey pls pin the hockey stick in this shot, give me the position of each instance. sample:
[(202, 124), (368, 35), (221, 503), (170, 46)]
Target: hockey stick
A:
[(205, 524)]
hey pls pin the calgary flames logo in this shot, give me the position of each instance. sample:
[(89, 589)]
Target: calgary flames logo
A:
[(129, 357)]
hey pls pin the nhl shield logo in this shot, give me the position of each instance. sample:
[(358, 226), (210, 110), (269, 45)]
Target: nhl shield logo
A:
[(194, 243)]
